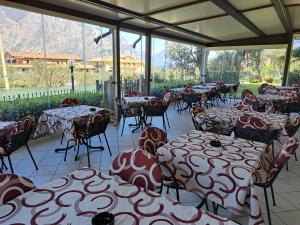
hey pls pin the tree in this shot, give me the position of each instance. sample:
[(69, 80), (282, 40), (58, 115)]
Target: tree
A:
[(183, 58)]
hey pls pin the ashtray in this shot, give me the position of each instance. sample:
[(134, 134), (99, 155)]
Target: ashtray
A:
[(146, 98), (92, 109), (104, 218), (215, 143)]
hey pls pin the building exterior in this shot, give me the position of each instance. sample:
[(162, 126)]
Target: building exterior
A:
[(24, 61), (28, 57), (128, 64)]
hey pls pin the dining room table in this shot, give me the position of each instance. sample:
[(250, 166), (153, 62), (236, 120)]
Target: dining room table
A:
[(84, 193), (225, 174), (5, 132), (226, 117), (5, 127), (138, 101), (63, 119)]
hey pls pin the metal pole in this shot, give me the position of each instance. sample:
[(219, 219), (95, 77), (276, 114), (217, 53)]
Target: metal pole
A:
[(147, 64), (72, 77), (3, 63), (287, 60)]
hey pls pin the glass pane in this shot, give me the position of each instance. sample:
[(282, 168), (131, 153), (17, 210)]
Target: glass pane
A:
[(23, 75), (173, 65), (99, 62), (132, 59), (294, 72), (250, 67)]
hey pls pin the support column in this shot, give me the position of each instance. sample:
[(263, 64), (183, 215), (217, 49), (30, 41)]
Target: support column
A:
[(287, 60), (116, 80), (148, 54), (203, 65)]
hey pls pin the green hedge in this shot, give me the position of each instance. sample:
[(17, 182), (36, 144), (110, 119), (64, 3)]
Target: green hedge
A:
[(19, 108)]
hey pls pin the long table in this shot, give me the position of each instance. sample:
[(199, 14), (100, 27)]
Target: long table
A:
[(227, 116), (225, 175), (55, 120), (77, 197)]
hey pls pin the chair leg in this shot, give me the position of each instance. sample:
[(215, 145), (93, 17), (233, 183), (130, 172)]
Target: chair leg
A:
[(66, 152), (3, 165), (296, 158), (273, 196), (31, 156), (62, 138), (287, 166), (77, 153), (10, 164), (168, 190), (164, 123), (123, 126), (273, 153), (177, 194), (107, 144), (99, 138), (215, 207), (88, 152), (167, 119), (267, 205)]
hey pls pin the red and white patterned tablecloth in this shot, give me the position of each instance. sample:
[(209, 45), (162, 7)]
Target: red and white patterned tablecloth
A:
[(54, 120), (137, 100), (225, 175), (76, 198), (227, 116), (5, 129)]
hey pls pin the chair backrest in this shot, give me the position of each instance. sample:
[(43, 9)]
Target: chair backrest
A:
[(292, 127), (151, 139), (252, 128), (287, 150), (70, 102), (140, 168), (191, 97), (196, 109), (242, 106), (155, 107), (168, 97), (249, 97), (246, 91), (11, 186), (97, 123), (133, 94), (21, 132)]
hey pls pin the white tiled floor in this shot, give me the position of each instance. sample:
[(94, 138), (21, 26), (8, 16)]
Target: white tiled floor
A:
[(51, 166)]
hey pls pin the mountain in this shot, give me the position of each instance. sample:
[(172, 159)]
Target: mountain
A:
[(23, 31)]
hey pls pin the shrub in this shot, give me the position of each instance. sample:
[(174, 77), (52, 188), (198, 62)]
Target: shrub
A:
[(294, 77), (269, 80), (15, 110), (254, 79)]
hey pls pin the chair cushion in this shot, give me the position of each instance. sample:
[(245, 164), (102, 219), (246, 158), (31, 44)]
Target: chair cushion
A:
[(253, 122), (242, 106), (11, 186), (151, 139), (287, 150), (138, 167)]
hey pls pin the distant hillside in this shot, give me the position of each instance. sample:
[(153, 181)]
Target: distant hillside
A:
[(22, 31)]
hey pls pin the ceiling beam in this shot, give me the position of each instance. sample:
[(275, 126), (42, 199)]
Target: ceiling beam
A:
[(266, 40), (175, 7), (47, 7), (137, 15), (170, 8), (240, 17), (221, 15), (283, 15)]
